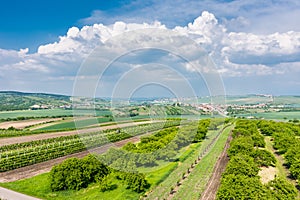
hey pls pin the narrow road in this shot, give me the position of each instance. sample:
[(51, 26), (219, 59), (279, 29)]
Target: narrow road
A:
[(29, 138), (215, 180), (6, 194)]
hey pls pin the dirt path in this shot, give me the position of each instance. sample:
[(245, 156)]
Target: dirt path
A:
[(14, 140), (207, 149), (215, 180), (39, 168)]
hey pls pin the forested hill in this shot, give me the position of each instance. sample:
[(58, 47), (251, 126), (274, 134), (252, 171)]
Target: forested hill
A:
[(11, 100)]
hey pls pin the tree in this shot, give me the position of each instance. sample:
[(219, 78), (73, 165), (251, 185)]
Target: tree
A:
[(136, 182), (295, 169), (242, 144), (282, 189), (242, 187), (263, 157), (74, 173), (242, 164)]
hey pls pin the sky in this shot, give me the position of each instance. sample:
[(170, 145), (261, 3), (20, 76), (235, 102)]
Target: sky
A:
[(50, 46)]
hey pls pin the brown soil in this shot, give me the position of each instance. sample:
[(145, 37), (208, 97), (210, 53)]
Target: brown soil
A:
[(24, 123), (215, 180), (267, 174), (39, 168)]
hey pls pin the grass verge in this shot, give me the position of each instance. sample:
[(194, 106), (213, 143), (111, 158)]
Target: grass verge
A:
[(197, 180)]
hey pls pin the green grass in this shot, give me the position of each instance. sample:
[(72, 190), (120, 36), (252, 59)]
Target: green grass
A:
[(163, 189), (197, 180), (34, 113), (274, 115), (91, 122), (282, 172), (49, 112), (157, 176), (160, 177), (76, 124), (39, 186)]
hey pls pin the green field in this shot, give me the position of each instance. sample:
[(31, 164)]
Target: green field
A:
[(274, 115), (49, 113), (76, 124), (39, 185)]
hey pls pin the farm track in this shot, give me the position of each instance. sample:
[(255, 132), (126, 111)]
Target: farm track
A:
[(42, 136), (39, 168), (215, 180), (213, 184), (162, 191)]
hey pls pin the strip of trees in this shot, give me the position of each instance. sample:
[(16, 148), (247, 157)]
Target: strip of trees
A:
[(122, 164), (19, 155), (161, 146), (240, 179), (286, 141)]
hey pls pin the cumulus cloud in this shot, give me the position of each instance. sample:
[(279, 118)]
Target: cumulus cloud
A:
[(234, 53)]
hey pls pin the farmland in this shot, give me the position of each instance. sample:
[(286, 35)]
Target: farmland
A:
[(182, 155), (248, 155), (154, 175)]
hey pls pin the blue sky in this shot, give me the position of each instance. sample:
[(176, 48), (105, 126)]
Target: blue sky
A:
[(255, 44), (33, 22)]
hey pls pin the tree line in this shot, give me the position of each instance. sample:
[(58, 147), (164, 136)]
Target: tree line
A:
[(240, 179)]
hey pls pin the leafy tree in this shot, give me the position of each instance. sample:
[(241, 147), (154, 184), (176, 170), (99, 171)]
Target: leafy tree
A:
[(282, 189), (76, 173), (295, 169), (243, 165), (292, 154), (106, 184), (242, 187), (283, 141), (243, 145), (258, 140), (136, 182), (67, 175), (263, 157)]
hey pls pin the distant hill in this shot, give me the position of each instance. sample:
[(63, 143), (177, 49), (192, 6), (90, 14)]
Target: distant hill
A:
[(12, 100)]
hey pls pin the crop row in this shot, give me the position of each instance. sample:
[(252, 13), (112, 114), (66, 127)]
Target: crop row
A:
[(24, 154)]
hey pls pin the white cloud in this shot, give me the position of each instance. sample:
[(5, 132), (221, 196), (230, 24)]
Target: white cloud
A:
[(235, 53)]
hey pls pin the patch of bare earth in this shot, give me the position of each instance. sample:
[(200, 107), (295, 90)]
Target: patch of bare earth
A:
[(25, 123), (267, 174)]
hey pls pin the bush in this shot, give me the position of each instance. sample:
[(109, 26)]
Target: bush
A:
[(242, 165), (75, 173), (282, 189), (107, 184), (242, 187), (263, 157)]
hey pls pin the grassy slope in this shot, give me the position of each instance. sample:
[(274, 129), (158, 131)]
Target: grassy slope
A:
[(275, 115), (196, 182), (163, 189), (165, 175)]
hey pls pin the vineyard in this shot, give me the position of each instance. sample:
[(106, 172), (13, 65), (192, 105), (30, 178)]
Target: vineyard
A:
[(20, 155), (147, 163), (172, 160)]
